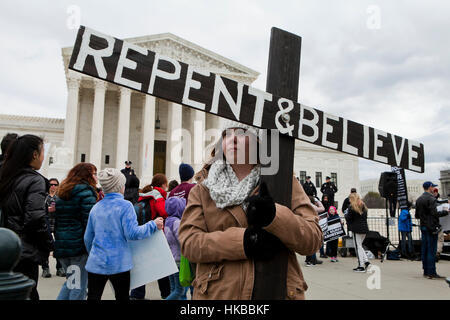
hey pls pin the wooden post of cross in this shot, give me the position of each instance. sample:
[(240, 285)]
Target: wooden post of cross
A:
[(282, 80)]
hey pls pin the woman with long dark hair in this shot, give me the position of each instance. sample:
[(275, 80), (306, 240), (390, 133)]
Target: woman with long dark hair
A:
[(22, 198), (76, 196), (231, 226)]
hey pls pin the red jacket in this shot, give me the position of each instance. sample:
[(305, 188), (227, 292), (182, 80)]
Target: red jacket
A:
[(157, 200)]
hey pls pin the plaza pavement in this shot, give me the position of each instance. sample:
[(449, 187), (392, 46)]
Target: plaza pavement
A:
[(329, 281)]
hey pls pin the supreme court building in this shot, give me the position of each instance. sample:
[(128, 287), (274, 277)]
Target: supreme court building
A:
[(106, 124)]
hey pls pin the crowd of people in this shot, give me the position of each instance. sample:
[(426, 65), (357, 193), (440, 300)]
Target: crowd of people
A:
[(354, 211), (225, 223)]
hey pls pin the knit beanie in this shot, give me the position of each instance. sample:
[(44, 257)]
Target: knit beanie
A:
[(186, 172), (228, 124), (335, 210), (111, 180)]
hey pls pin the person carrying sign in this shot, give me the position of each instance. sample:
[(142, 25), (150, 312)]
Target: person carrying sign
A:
[(224, 231), (332, 245), (112, 223)]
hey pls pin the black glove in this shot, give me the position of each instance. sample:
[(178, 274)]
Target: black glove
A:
[(261, 208), (260, 244)]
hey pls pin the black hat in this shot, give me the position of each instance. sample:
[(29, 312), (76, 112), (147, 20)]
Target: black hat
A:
[(308, 177), (353, 190), (327, 178), (128, 162)]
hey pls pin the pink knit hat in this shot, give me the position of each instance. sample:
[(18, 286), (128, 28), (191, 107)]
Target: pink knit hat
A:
[(335, 210)]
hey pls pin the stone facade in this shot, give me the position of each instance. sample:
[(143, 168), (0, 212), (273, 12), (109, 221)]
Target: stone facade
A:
[(445, 183), (317, 161)]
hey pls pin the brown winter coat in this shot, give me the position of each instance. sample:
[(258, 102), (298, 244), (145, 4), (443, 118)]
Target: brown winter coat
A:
[(213, 239)]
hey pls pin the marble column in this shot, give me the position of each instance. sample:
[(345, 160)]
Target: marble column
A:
[(198, 126), (173, 149), (95, 154), (123, 127), (71, 121), (147, 139)]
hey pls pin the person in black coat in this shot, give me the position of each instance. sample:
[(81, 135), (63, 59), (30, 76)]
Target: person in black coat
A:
[(132, 188), (426, 211), (329, 189), (309, 187), (22, 198), (356, 218), (346, 202)]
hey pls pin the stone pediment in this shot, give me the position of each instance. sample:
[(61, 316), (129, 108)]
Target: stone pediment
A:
[(182, 50)]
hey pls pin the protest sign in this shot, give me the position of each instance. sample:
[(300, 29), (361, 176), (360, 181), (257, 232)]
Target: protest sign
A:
[(334, 230), (444, 221), (152, 260), (135, 67), (323, 221)]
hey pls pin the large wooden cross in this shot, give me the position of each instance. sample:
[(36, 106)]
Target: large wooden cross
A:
[(129, 65)]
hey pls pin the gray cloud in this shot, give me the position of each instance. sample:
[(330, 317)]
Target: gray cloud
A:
[(395, 78)]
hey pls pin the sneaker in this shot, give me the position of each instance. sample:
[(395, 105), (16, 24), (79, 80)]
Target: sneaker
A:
[(333, 259), (60, 272), (366, 265), (324, 256), (309, 264), (318, 261), (436, 276), (359, 269), (46, 273)]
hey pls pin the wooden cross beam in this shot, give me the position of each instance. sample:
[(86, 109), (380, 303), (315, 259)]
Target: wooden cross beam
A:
[(129, 65)]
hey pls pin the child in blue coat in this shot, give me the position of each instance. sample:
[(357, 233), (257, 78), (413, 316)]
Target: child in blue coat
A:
[(405, 228)]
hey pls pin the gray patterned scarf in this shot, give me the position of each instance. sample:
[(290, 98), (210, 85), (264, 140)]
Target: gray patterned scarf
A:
[(225, 188)]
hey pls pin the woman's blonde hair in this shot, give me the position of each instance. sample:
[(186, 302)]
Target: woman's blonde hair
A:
[(356, 203)]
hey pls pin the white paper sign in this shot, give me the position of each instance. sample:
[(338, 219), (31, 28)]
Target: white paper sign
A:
[(152, 260), (323, 221), (444, 221)]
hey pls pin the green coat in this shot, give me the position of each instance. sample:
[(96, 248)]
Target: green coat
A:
[(71, 219)]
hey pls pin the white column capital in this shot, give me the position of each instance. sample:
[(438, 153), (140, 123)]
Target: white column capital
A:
[(100, 84), (124, 91), (73, 83)]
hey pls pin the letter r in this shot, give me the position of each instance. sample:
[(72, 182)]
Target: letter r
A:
[(86, 50)]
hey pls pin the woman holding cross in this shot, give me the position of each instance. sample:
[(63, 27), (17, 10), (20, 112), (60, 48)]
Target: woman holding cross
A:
[(231, 223)]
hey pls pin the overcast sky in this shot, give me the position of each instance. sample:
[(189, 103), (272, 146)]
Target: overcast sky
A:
[(385, 64)]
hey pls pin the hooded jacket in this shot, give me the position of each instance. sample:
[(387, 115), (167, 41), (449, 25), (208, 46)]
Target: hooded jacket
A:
[(26, 215), (213, 239), (112, 223), (71, 217)]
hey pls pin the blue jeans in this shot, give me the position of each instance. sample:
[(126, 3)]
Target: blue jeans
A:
[(76, 278), (410, 251), (177, 291), (429, 248)]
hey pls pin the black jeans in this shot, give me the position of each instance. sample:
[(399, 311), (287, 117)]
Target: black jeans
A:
[(120, 283), (164, 287), (332, 247), (30, 269)]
